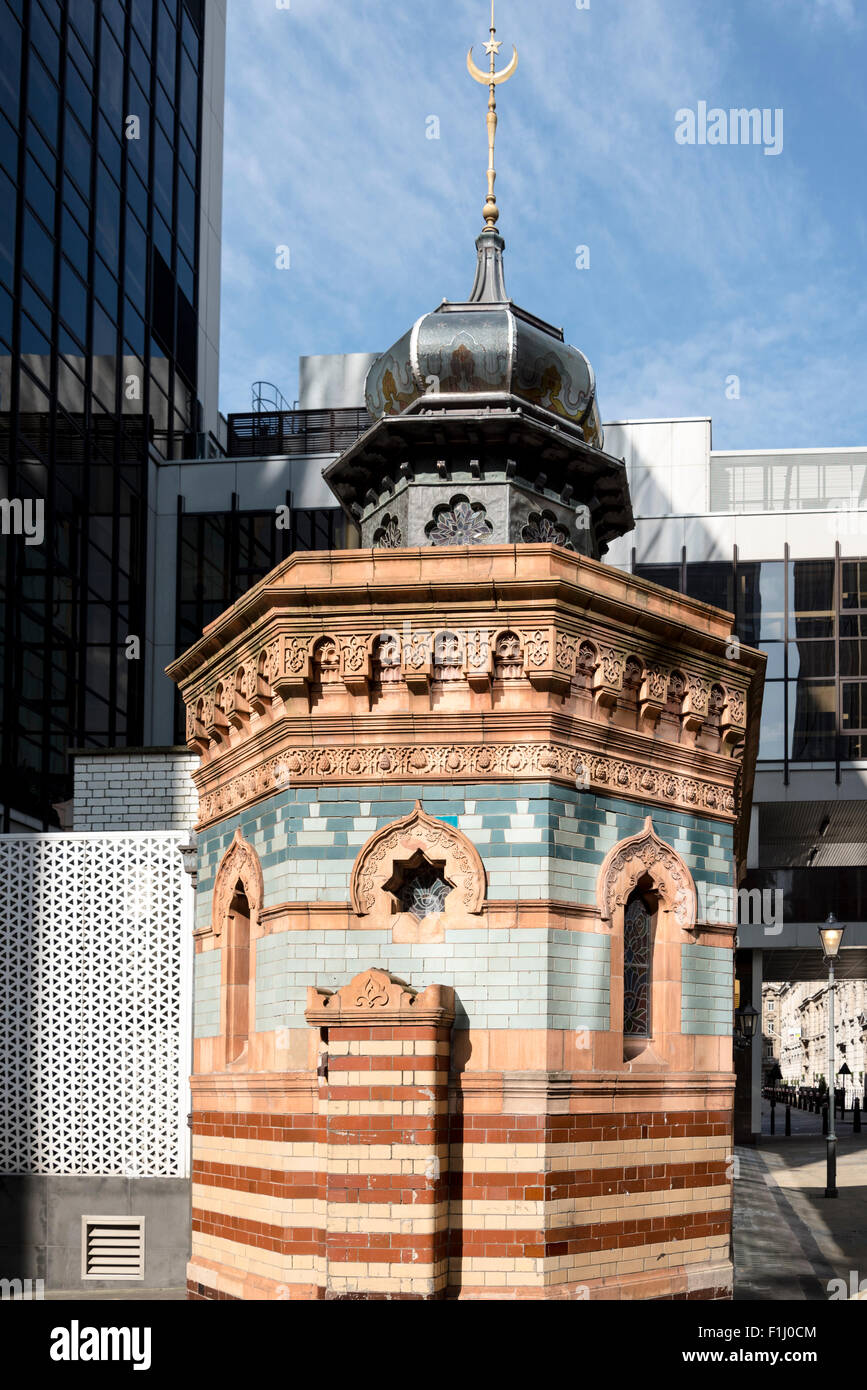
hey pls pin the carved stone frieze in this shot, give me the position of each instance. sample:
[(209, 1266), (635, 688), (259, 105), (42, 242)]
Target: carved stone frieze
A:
[(482, 761)]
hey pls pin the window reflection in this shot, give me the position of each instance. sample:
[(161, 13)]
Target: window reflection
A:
[(760, 606), (772, 732), (72, 417), (811, 591), (810, 648), (854, 584), (812, 720)]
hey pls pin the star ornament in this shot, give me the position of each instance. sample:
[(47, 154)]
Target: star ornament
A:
[(494, 46)]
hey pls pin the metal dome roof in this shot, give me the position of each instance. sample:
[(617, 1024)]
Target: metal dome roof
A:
[(486, 346)]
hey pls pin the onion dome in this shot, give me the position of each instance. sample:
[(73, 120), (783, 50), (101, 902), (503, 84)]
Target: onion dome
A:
[(484, 346)]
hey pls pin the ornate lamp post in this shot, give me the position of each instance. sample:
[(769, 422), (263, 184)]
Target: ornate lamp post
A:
[(831, 936), (746, 1022)]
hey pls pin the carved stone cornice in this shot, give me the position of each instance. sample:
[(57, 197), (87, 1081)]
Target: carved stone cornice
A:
[(497, 579)]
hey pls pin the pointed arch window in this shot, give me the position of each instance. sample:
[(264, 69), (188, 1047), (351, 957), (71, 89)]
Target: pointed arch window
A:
[(238, 975), (637, 962)]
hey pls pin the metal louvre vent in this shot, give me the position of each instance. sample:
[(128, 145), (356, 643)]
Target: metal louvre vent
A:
[(112, 1247)]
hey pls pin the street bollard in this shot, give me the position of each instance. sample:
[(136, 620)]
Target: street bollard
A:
[(856, 1116), (788, 1119), (773, 1117), (825, 1119)]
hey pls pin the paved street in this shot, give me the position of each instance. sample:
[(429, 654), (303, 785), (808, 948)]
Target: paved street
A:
[(790, 1241)]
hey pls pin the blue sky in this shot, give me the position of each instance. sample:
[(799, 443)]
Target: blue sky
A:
[(706, 262)]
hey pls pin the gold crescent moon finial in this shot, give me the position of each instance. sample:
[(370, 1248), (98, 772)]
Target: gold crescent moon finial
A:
[(492, 80)]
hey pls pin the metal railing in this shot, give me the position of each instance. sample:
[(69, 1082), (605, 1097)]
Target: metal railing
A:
[(294, 432)]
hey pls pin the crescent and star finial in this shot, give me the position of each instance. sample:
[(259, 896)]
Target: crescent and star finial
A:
[(492, 79)]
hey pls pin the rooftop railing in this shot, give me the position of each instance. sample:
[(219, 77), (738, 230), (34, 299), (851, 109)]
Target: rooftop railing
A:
[(259, 434)]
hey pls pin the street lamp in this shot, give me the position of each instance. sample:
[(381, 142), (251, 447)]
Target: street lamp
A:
[(831, 937), (746, 1022)]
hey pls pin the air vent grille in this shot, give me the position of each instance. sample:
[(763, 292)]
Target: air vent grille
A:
[(112, 1247)]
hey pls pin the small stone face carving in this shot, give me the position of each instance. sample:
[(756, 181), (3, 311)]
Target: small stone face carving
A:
[(448, 657), (459, 523), (633, 673), (587, 660), (388, 536), (545, 528), (676, 689), (326, 661), (508, 658), (386, 660)]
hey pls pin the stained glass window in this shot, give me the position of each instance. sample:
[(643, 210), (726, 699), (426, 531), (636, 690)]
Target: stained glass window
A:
[(424, 893), (636, 969)]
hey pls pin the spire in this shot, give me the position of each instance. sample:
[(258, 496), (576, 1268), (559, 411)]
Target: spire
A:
[(489, 286), (492, 79)]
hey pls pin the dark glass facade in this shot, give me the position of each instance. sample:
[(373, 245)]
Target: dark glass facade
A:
[(223, 555), (100, 121), (810, 618)]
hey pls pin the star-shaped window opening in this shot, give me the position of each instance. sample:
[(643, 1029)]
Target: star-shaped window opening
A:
[(419, 886)]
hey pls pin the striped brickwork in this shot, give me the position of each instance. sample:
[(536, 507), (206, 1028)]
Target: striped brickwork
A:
[(384, 1115), (258, 1198), (622, 1204)]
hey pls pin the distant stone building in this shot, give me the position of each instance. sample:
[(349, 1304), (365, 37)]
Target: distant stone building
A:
[(795, 1019)]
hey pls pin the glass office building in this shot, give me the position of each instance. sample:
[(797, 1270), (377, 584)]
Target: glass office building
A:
[(810, 618), (102, 126)]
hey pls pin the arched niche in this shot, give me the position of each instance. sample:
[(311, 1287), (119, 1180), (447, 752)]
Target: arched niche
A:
[(418, 850), (239, 865), (237, 902), (644, 869)]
